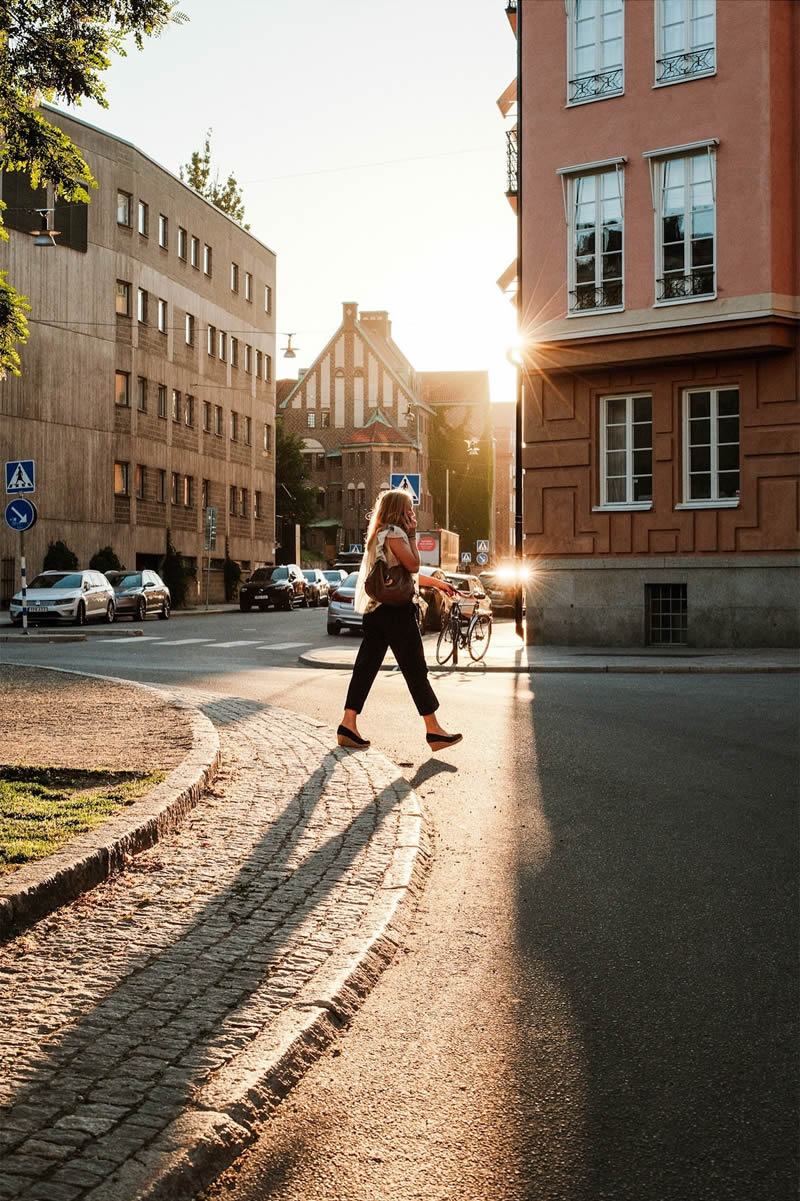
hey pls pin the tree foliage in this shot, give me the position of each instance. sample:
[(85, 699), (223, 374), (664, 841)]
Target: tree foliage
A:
[(57, 50), (294, 501), (225, 196), (470, 475), (59, 557)]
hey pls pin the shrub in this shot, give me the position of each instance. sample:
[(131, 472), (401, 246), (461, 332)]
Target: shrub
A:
[(232, 574), (105, 560), (59, 557), (175, 575)]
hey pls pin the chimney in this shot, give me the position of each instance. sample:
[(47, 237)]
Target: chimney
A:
[(349, 313), (377, 323)]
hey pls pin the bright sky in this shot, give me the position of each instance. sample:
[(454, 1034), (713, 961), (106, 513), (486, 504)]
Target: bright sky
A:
[(370, 150)]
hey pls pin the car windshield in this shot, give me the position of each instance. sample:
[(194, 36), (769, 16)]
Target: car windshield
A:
[(61, 579), (311, 575), (132, 580), (350, 581), (280, 573), (261, 573)]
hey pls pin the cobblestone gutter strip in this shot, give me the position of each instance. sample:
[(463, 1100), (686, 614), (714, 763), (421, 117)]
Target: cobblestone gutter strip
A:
[(227, 1113), (39, 888)]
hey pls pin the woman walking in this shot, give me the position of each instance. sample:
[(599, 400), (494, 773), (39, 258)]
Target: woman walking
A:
[(390, 535)]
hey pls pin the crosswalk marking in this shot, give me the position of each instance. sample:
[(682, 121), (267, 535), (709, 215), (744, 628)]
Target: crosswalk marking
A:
[(185, 641), (131, 639), (241, 642), (281, 646)]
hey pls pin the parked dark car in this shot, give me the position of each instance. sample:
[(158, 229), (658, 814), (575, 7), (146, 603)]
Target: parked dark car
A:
[(319, 590), (137, 593), (249, 590), (438, 602), (501, 588), (285, 588)]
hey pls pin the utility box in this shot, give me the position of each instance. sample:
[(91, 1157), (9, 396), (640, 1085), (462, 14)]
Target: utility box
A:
[(438, 548)]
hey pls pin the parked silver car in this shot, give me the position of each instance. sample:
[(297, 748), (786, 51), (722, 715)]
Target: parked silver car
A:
[(319, 590), (341, 608), (138, 593), (76, 596)]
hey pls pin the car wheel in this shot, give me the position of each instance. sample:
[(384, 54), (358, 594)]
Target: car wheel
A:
[(80, 615), (333, 627), (315, 602), (245, 604), (163, 612), (288, 605), (304, 601), (141, 609), (110, 612)]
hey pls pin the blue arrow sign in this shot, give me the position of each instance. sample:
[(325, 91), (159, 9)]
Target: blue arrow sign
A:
[(409, 482), (20, 476), (482, 558), (21, 514)]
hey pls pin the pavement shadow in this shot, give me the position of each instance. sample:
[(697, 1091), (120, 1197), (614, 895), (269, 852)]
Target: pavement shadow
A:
[(129, 1065), (658, 932)]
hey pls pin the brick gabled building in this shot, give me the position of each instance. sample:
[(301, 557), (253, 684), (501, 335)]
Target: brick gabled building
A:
[(361, 415)]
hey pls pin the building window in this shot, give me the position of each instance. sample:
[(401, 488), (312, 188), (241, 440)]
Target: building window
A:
[(362, 458), (666, 614), (234, 277), (242, 502), (685, 39), (123, 302), (267, 298), (189, 331), (234, 352), (247, 433), (121, 479), (218, 420), (176, 405), (268, 368), (162, 316), (194, 252), (207, 416), (162, 400), (205, 489), (596, 241), (188, 488), (143, 218), (248, 358), (141, 394), (258, 510), (320, 498), (233, 496), (351, 496), (234, 426), (124, 205), (207, 260), (258, 364), (595, 68), (319, 460), (248, 286), (221, 345), (188, 410), (141, 306), (311, 419), (141, 481), (267, 438), (386, 458), (161, 490), (626, 450), (212, 338), (685, 268), (182, 240), (176, 488), (163, 231), (122, 389), (711, 446), (325, 419)]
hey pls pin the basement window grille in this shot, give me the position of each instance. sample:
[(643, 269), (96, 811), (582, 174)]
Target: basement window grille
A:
[(666, 614)]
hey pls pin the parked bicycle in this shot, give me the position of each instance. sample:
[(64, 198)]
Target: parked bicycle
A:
[(460, 632)]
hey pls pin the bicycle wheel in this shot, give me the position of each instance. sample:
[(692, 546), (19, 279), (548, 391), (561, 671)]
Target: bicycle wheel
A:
[(446, 641), (479, 636)]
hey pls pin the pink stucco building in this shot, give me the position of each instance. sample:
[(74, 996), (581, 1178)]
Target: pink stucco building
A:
[(657, 199)]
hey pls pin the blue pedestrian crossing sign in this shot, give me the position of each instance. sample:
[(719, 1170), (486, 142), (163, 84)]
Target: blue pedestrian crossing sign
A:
[(20, 477), (483, 546), (408, 481), (21, 514)]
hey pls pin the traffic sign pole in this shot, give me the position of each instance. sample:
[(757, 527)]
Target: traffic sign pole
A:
[(24, 581)]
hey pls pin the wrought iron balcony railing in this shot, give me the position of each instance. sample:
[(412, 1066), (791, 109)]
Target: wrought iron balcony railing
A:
[(585, 297), (686, 64), (589, 87), (512, 162), (677, 287)]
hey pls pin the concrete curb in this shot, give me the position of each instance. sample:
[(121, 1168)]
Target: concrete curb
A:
[(309, 660), (224, 1117), (41, 887)]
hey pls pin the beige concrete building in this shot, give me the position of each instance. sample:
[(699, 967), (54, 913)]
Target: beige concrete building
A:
[(147, 391)]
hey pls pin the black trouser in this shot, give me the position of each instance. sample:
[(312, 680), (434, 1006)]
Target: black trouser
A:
[(392, 626)]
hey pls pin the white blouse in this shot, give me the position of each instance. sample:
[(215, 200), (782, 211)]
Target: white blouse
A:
[(363, 602)]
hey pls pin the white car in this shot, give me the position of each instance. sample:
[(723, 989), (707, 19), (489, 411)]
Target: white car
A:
[(74, 596)]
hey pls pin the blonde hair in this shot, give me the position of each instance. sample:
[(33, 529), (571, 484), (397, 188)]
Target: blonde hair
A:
[(390, 508)]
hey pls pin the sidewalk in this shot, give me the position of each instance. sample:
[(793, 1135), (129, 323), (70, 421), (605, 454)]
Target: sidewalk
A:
[(149, 1024), (508, 653)]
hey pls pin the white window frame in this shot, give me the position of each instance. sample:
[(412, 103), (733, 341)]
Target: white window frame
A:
[(189, 329), (613, 86), (234, 277), (182, 240), (698, 61), (207, 260), (162, 315), (163, 231), (267, 298), (570, 178), (715, 501), (248, 286), (141, 306), (629, 504), (124, 208), (123, 293), (143, 218), (657, 162), (194, 252)]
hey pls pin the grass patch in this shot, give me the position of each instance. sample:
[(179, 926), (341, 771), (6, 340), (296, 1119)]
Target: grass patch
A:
[(42, 808)]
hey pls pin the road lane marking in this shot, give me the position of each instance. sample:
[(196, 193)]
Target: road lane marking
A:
[(132, 639), (243, 642), (185, 641), (281, 646)]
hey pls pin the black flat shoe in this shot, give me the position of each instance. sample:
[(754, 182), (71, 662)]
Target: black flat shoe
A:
[(439, 742), (346, 737)]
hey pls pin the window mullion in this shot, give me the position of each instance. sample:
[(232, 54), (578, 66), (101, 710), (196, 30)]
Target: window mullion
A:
[(629, 450), (714, 444)]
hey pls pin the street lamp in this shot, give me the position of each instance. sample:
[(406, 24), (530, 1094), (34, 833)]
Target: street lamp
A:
[(44, 236)]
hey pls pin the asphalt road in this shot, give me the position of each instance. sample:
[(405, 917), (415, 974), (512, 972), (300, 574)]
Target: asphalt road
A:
[(599, 996)]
